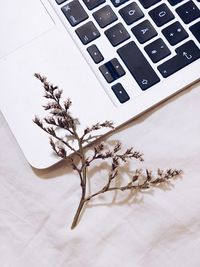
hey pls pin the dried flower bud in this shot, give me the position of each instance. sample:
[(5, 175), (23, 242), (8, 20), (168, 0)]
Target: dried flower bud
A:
[(62, 152), (67, 104), (117, 147), (50, 130), (38, 121), (58, 94)]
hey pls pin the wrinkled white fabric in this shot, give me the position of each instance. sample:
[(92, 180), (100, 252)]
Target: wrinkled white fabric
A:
[(156, 228)]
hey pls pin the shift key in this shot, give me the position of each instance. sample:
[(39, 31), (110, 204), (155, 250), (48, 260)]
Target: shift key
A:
[(138, 65), (186, 54)]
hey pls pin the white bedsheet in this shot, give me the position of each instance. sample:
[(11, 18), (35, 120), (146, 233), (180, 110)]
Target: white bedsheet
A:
[(159, 228)]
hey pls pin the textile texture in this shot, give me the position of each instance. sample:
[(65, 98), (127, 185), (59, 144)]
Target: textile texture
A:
[(159, 227)]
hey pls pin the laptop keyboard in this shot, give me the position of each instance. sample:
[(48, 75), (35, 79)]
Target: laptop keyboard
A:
[(151, 39)]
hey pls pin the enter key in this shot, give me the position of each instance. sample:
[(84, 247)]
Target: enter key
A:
[(186, 54)]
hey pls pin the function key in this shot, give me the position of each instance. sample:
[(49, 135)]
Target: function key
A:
[(87, 33), (161, 15), (105, 16), (90, 4), (175, 33), (174, 2), (60, 1), (195, 29), (120, 93), (117, 3), (186, 54), (74, 12), (138, 65), (157, 50), (144, 31), (148, 3), (112, 70), (188, 12), (131, 13), (95, 53), (117, 34)]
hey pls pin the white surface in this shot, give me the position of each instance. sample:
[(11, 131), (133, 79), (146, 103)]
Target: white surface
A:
[(154, 229), (54, 54), (16, 29)]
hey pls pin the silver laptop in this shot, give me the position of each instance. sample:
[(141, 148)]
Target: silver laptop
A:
[(113, 58)]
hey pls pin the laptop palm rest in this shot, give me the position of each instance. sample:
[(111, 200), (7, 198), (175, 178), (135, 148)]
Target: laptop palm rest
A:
[(17, 29)]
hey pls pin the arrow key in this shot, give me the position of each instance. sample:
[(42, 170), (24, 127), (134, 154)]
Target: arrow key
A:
[(112, 70)]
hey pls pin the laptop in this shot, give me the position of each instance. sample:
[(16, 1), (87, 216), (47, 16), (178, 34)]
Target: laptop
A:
[(114, 59)]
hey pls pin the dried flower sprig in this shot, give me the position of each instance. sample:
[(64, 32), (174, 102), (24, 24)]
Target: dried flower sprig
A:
[(73, 144)]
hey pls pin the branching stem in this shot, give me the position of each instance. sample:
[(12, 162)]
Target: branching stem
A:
[(60, 118)]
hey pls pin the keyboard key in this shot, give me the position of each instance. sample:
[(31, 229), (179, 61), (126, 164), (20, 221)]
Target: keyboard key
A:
[(138, 66), (131, 13), (105, 16), (186, 54), (175, 33), (195, 29), (107, 75), (117, 3), (117, 67), (120, 93), (74, 12), (188, 12), (157, 50), (174, 2), (95, 53), (144, 31), (117, 34), (161, 15), (90, 4), (60, 1), (148, 3), (87, 33), (112, 70)]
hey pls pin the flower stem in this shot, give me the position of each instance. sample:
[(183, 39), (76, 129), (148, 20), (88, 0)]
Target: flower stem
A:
[(79, 209)]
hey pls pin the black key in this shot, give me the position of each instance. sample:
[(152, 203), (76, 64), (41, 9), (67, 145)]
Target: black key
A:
[(131, 13), (186, 54), (195, 29), (138, 66), (144, 31), (60, 1), (157, 50), (161, 15), (112, 70), (174, 2), (175, 33), (74, 12), (117, 3), (93, 3), (120, 93), (188, 12), (148, 3), (117, 67), (87, 33), (117, 34), (107, 75), (104, 16), (95, 53)]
